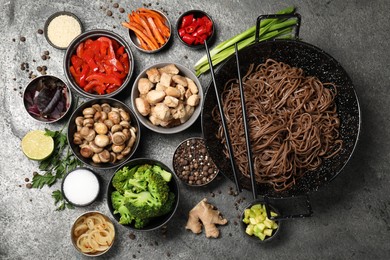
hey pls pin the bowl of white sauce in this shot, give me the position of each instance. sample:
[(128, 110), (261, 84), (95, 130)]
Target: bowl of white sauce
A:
[(80, 187)]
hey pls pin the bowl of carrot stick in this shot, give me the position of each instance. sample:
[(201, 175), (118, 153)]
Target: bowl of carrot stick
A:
[(149, 30)]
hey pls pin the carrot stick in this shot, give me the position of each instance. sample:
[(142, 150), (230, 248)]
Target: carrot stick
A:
[(156, 32), (158, 19), (142, 42), (162, 28), (141, 34), (145, 25), (153, 14)]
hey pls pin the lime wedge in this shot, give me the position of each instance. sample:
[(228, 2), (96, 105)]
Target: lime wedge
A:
[(37, 146)]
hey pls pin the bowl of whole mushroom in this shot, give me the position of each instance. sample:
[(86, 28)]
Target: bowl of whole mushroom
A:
[(103, 133), (167, 98)]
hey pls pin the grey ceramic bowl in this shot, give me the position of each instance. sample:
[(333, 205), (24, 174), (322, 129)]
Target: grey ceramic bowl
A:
[(156, 222), (74, 238), (95, 34), (145, 120), (72, 128), (134, 40), (29, 99)]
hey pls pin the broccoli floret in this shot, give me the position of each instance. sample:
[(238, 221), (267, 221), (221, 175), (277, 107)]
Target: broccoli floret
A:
[(139, 181), (167, 176), (117, 199), (168, 205), (142, 193), (141, 199), (126, 217), (121, 177), (147, 213), (158, 188)]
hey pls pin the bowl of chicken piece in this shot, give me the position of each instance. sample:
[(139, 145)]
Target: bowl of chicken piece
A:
[(167, 98)]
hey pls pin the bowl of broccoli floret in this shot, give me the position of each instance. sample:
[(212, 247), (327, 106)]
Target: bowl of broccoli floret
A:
[(143, 194)]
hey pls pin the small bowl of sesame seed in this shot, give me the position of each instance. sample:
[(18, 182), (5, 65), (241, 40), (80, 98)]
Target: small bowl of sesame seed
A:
[(61, 28), (192, 164)]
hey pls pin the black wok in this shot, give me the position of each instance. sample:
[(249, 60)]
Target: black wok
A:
[(314, 62)]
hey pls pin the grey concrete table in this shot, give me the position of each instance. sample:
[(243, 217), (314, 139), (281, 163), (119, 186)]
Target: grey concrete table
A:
[(351, 215)]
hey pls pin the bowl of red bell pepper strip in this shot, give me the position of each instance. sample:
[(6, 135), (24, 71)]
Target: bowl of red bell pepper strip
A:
[(98, 63), (194, 27)]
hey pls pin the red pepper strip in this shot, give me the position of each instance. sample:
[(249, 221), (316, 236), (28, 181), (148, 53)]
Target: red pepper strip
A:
[(200, 39), (75, 75), (88, 56), (104, 78), (83, 76), (120, 51), (76, 61), (188, 38), (91, 85), (181, 32), (190, 29), (80, 50), (124, 59), (100, 89), (187, 20), (111, 54), (111, 88), (200, 31)]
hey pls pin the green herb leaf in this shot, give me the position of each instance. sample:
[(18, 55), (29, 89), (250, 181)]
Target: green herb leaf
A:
[(55, 167), (61, 207), (39, 180), (57, 195)]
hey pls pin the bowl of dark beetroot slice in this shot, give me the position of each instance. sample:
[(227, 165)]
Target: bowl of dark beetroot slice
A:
[(47, 99), (192, 164)]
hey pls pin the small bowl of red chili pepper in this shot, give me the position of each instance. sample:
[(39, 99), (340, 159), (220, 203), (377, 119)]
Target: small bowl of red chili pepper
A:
[(194, 27), (98, 63)]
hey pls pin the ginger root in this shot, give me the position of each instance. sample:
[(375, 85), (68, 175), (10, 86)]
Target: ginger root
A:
[(206, 214)]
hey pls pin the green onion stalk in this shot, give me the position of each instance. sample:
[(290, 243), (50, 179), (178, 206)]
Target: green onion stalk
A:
[(269, 29)]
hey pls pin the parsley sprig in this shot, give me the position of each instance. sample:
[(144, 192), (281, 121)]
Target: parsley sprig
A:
[(55, 166)]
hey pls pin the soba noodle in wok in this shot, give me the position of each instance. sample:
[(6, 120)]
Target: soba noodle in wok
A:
[(293, 122)]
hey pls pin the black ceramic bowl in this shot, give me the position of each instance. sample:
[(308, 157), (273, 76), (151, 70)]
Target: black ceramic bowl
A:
[(75, 31), (30, 101), (157, 222), (196, 14), (72, 129), (243, 225), (94, 35), (136, 43), (314, 62)]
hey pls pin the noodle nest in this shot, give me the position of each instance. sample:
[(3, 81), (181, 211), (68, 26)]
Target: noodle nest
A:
[(93, 233), (292, 118)]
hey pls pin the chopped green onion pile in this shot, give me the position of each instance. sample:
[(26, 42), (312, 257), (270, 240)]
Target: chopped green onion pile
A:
[(269, 28)]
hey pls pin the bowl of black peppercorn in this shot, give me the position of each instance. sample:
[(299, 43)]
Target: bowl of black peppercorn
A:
[(192, 164)]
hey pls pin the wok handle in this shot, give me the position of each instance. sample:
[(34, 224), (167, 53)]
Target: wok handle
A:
[(309, 212), (278, 16)]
